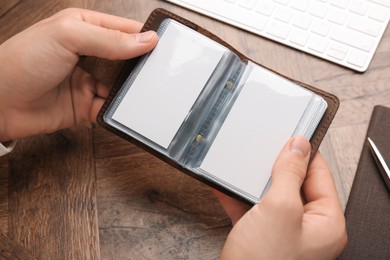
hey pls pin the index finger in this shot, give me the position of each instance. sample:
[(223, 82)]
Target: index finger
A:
[(101, 19)]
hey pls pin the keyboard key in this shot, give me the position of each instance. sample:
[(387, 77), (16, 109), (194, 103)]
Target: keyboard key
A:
[(300, 5), (340, 3), (320, 27), (359, 7), (260, 24), (378, 13), (337, 15), (284, 15), (318, 44), (266, 8), (382, 2), (301, 20), (352, 38), (278, 29), (318, 9), (359, 23), (357, 58), (248, 4), (283, 2), (299, 37), (337, 51)]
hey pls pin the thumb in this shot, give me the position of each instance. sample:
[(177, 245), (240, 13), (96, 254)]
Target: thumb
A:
[(290, 168)]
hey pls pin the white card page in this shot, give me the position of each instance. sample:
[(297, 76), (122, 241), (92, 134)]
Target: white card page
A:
[(261, 120), (169, 83)]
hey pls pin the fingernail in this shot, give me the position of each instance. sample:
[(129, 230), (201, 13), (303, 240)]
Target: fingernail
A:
[(145, 37), (300, 145)]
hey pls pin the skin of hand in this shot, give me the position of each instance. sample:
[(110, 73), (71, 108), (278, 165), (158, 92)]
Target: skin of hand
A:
[(300, 216), (42, 89)]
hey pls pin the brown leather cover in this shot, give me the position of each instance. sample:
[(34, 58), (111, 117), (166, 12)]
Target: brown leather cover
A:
[(368, 208), (153, 23)]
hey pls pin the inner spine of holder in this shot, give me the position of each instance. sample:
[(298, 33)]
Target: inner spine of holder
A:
[(206, 116)]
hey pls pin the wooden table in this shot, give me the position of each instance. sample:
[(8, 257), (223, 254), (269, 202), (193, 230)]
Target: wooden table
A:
[(84, 193)]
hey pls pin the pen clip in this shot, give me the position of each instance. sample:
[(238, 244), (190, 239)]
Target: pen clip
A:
[(380, 162)]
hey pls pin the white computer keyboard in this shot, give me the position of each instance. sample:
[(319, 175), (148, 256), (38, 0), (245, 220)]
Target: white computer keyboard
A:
[(346, 32)]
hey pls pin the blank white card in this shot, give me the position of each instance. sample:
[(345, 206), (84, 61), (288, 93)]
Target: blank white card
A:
[(169, 83), (263, 118)]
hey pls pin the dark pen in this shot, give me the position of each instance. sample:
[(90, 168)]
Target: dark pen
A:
[(380, 162)]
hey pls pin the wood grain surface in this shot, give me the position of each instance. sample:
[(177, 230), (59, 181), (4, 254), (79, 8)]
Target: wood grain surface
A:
[(83, 193)]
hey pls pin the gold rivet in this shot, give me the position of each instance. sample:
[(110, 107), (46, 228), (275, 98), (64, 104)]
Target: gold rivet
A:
[(229, 85), (199, 138)]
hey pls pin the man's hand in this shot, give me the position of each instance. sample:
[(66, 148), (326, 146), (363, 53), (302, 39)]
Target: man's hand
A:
[(42, 89), (284, 225)]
